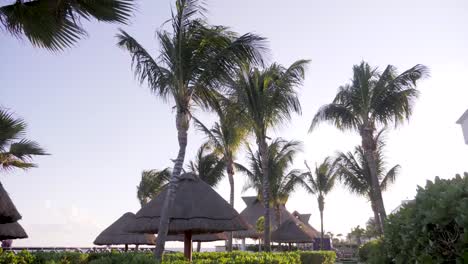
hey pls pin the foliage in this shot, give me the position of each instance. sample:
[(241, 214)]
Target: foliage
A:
[(151, 184), (373, 252), (236, 257), (433, 228), (16, 151), (357, 233), (208, 166), (317, 257), (259, 225), (54, 24)]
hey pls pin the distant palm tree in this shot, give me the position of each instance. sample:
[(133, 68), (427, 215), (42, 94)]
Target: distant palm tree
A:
[(16, 151), (208, 166), (354, 172), (320, 183), (194, 59), (373, 99), (55, 24), (283, 180), (266, 98), (226, 136), (151, 184)]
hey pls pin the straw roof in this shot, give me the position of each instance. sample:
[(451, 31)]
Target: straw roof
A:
[(115, 234), (197, 208), (255, 210), (303, 217), (12, 231), (200, 237), (294, 231), (8, 212)]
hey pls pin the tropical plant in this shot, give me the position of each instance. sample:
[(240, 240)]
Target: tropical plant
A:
[(357, 233), (283, 180), (433, 228), (193, 61), (264, 99), (208, 166), (16, 151), (55, 24), (371, 100), (320, 183), (226, 136), (151, 184), (354, 172)]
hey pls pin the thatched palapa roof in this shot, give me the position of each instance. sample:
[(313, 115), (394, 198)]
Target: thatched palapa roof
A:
[(116, 235), (8, 212), (197, 208), (199, 237), (12, 231), (294, 231)]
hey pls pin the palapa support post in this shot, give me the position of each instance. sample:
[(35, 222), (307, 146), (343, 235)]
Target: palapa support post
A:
[(126, 247), (188, 245), (136, 247)]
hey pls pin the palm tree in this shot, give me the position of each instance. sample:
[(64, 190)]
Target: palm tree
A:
[(226, 136), (193, 61), (151, 184), (283, 181), (55, 24), (320, 184), (266, 98), (373, 99), (16, 151), (354, 172)]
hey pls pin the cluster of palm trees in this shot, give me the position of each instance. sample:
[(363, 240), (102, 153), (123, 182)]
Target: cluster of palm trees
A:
[(214, 68)]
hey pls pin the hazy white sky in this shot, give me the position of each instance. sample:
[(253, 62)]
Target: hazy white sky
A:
[(103, 129)]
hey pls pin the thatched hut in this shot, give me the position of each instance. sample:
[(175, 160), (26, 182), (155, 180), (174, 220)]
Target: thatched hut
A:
[(115, 234), (8, 212), (197, 209), (294, 230), (12, 231)]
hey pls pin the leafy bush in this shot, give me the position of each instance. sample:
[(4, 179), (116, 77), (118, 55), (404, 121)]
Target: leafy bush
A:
[(433, 229), (317, 257), (373, 252)]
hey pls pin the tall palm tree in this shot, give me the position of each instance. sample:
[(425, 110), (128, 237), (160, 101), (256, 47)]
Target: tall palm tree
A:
[(55, 24), (193, 61), (266, 98), (373, 99), (226, 136), (16, 151), (151, 184), (320, 183), (354, 172), (283, 180)]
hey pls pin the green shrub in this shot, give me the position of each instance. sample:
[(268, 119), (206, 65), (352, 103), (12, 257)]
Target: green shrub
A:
[(434, 228), (317, 257), (373, 252)]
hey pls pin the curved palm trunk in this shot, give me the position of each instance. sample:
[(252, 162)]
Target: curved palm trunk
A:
[(230, 173), (369, 147), (263, 149), (377, 218), (182, 124), (321, 204)]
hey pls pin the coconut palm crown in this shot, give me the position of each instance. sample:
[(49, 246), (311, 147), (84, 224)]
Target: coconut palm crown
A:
[(55, 24), (193, 61), (371, 100), (264, 99)]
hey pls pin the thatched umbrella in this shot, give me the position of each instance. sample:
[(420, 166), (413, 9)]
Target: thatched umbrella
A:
[(115, 234), (197, 209), (12, 231), (294, 230), (8, 212)]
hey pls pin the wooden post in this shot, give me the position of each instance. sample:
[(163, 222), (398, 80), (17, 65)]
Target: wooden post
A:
[(136, 247), (126, 247), (188, 245)]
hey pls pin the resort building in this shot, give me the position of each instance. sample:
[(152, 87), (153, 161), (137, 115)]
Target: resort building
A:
[(463, 121)]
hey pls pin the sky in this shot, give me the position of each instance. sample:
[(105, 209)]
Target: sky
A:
[(102, 128)]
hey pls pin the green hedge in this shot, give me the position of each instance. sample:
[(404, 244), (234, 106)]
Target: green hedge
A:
[(373, 252), (434, 228), (236, 257)]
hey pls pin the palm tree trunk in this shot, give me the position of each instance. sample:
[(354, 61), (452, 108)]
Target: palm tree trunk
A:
[(198, 246), (230, 173), (182, 124), (369, 147), (377, 218), (263, 149), (321, 203)]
